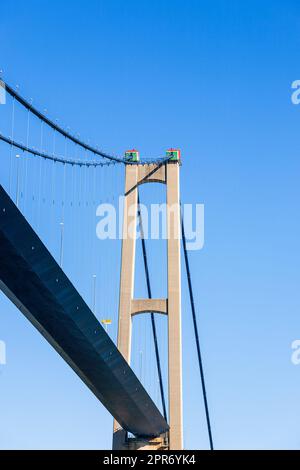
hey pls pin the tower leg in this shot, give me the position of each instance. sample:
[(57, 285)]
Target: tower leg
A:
[(174, 308), (127, 278)]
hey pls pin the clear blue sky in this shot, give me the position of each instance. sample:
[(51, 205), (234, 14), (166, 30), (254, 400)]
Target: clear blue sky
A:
[(214, 79)]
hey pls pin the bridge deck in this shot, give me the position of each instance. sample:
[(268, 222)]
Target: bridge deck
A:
[(36, 284)]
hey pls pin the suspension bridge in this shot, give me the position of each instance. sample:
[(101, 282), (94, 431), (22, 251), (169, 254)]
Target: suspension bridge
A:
[(55, 270)]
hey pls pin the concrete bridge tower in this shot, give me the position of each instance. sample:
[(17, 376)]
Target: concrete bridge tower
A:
[(136, 174)]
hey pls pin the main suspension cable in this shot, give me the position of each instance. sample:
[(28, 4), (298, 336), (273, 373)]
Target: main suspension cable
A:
[(56, 127), (188, 272), (45, 155)]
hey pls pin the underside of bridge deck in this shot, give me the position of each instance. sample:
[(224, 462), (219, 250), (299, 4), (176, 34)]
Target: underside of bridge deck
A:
[(36, 284)]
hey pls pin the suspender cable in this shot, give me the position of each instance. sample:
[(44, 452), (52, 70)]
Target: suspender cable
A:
[(161, 386), (62, 222), (26, 160), (188, 272), (11, 146)]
